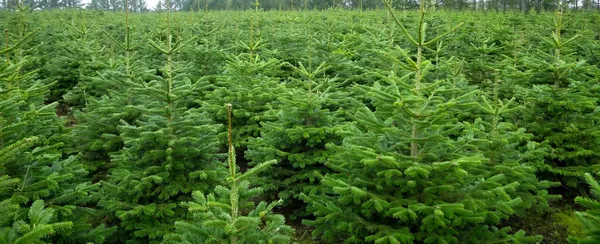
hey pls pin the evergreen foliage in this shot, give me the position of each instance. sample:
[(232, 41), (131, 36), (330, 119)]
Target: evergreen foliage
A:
[(252, 93), (96, 134), (590, 219), (41, 225), (74, 62), (33, 170), (229, 215), (298, 137), (380, 135), (410, 172), (169, 152), (562, 107), (249, 83)]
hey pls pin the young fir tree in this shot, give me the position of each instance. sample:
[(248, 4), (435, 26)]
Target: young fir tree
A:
[(590, 219), (511, 152), (18, 160), (252, 93), (297, 139), (33, 171), (562, 107), (96, 136), (206, 54), (250, 84), (75, 61), (169, 152), (229, 215), (410, 172)]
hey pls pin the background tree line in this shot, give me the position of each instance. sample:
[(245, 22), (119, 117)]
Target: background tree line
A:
[(106, 5), (196, 5)]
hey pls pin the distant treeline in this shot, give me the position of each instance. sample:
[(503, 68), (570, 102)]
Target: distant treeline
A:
[(198, 5)]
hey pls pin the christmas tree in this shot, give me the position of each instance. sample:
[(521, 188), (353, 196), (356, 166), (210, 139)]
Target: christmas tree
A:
[(562, 107), (229, 215), (170, 151), (590, 219), (414, 171), (33, 170), (298, 138)]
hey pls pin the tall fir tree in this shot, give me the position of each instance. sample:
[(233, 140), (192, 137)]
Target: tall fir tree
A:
[(562, 107), (298, 137), (96, 136), (170, 151), (411, 171), (251, 84), (33, 170), (229, 215)]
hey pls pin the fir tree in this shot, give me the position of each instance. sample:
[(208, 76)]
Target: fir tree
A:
[(511, 152), (33, 170), (229, 215), (562, 107), (76, 59), (298, 137), (590, 219), (250, 83), (96, 136), (410, 172), (252, 93), (169, 152)]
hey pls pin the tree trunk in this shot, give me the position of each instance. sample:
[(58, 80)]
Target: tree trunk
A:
[(521, 5)]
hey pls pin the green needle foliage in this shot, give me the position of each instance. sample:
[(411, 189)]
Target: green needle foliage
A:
[(590, 219), (33, 170), (249, 82), (387, 126), (169, 152), (22, 178), (252, 93), (75, 61), (562, 107), (410, 172), (39, 226), (230, 215), (95, 135), (298, 138)]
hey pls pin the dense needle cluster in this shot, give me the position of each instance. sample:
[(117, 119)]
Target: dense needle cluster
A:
[(381, 126)]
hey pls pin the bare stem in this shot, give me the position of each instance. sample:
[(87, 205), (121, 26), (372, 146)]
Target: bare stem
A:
[(558, 26), (7, 45), (234, 196)]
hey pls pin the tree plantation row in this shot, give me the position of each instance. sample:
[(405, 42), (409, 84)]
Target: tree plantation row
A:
[(299, 127)]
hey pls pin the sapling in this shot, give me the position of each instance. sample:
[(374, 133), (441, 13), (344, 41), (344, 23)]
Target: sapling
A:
[(34, 172), (405, 173), (298, 137), (562, 107), (96, 135), (250, 83), (229, 215), (168, 152)]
